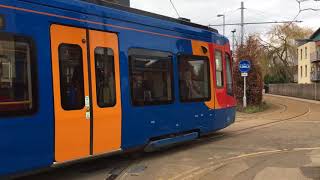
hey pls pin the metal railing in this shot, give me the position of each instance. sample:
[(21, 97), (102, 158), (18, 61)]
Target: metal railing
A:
[(314, 57), (315, 76)]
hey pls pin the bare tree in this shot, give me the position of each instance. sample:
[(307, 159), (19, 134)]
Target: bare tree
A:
[(281, 49)]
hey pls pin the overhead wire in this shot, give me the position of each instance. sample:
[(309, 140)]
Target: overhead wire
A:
[(175, 9), (302, 10)]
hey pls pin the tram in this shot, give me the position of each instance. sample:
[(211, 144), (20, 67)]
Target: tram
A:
[(83, 78)]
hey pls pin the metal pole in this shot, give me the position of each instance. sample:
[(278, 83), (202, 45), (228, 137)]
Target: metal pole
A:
[(224, 25), (245, 92), (224, 22), (233, 41), (242, 22)]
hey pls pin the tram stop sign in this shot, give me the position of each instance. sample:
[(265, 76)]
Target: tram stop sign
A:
[(244, 67)]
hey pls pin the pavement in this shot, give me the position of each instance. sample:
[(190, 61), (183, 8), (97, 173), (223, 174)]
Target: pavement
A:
[(281, 143)]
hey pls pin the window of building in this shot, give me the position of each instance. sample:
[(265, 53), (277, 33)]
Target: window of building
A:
[(301, 73), (194, 78), (229, 75), (219, 69), (306, 71), (16, 75), (71, 77), (151, 77), (301, 54), (105, 77), (306, 52)]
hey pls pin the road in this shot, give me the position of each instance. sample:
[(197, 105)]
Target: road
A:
[(280, 143)]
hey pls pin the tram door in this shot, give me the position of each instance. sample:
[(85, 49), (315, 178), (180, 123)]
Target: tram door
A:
[(86, 85)]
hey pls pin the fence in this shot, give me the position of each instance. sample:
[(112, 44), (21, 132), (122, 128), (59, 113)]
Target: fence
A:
[(305, 91)]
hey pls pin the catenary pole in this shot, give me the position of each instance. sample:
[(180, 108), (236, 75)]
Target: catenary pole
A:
[(242, 22), (234, 40)]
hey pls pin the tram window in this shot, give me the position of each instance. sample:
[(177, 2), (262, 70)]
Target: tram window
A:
[(194, 78), (71, 77), (105, 77), (229, 75), (151, 79), (16, 71), (219, 69)]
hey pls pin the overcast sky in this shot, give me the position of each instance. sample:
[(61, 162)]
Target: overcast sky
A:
[(205, 12)]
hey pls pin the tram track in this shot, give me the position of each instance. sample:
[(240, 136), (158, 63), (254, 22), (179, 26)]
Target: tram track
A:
[(124, 169), (257, 127), (208, 139), (214, 165), (283, 109)]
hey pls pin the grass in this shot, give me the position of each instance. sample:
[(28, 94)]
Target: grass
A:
[(254, 109)]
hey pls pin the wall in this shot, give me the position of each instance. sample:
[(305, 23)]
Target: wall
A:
[(303, 77), (306, 91)]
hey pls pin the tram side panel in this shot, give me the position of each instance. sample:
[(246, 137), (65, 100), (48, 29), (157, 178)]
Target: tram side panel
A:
[(26, 137)]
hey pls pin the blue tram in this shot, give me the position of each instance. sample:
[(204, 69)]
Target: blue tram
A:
[(81, 78)]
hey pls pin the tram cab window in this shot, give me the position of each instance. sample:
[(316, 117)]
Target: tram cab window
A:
[(71, 77), (16, 72), (151, 77), (194, 78), (105, 77), (229, 75), (219, 69)]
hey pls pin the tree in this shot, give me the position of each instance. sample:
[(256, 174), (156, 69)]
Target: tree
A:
[(251, 50), (281, 50)]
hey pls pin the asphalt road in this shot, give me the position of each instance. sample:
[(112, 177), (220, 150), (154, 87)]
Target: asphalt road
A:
[(280, 143)]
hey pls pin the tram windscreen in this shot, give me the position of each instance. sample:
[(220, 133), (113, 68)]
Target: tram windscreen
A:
[(15, 75), (194, 79)]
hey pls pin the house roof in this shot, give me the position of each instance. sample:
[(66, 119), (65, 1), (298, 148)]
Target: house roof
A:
[(316, 35), (301, 42)]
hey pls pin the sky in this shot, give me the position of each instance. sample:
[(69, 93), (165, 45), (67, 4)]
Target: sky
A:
[(205, 12)]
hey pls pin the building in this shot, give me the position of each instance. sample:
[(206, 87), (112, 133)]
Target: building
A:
[(309, 60)]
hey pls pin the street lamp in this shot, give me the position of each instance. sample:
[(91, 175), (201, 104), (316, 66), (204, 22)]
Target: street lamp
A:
[(224, 22)]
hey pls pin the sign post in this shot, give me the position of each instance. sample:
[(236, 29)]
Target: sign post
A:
[(244, 67)]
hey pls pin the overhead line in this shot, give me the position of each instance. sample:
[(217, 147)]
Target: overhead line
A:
[(255, 23), (175, 9)]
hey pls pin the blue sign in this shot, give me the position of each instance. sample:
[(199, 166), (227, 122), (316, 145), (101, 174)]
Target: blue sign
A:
[(244, 66)]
